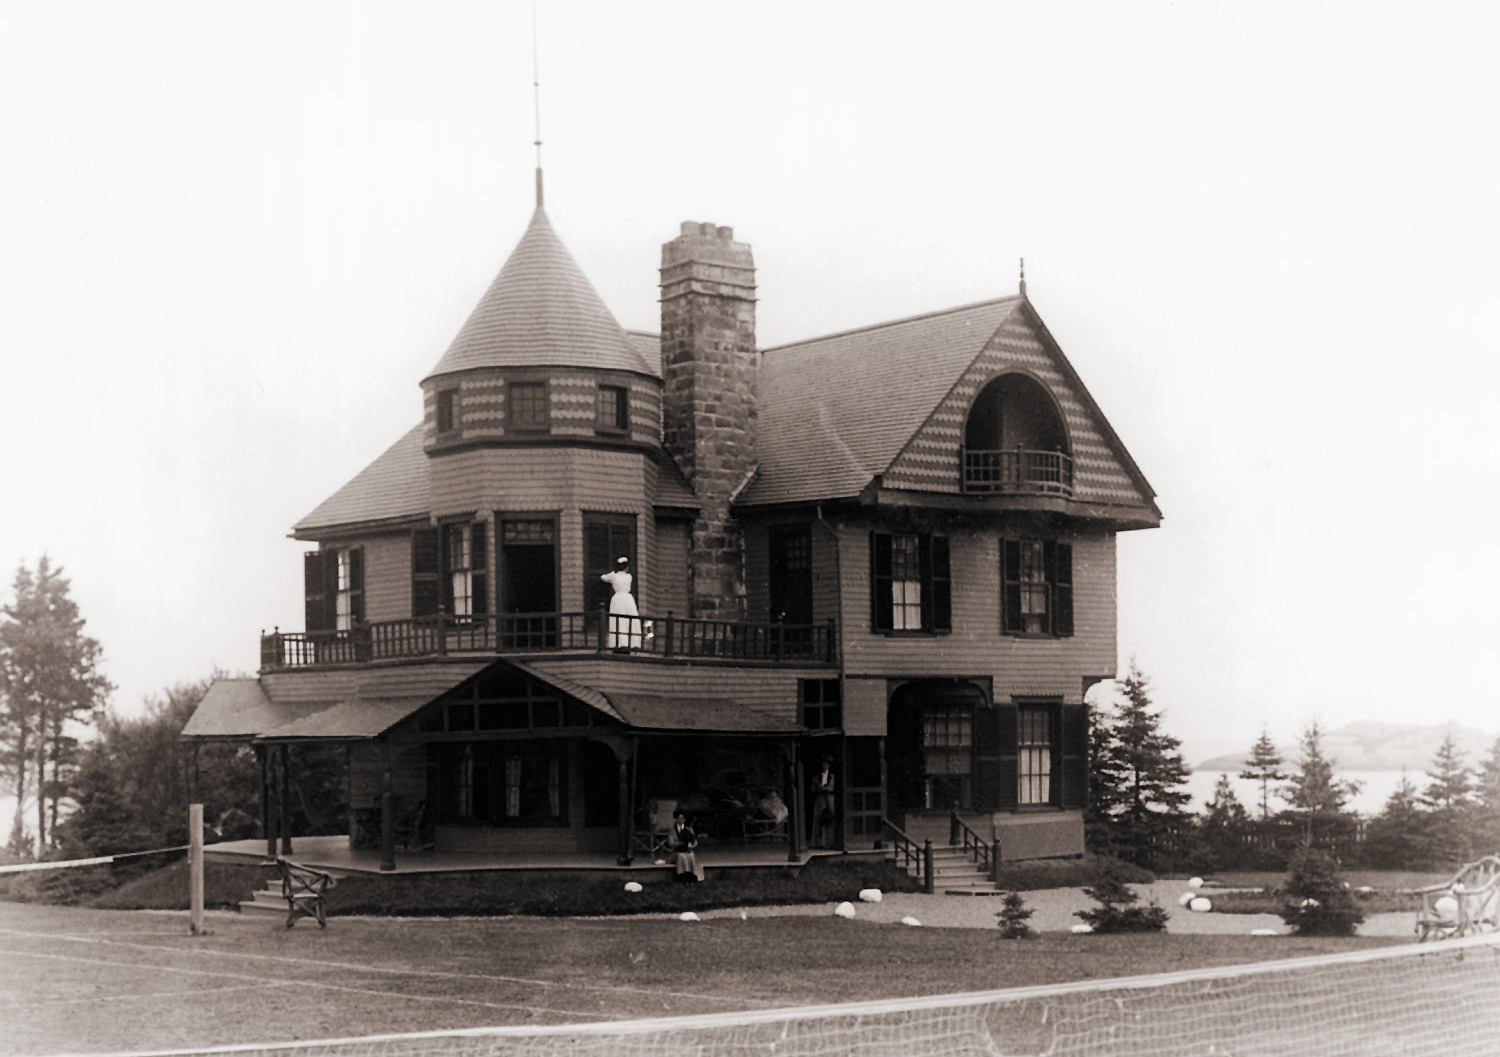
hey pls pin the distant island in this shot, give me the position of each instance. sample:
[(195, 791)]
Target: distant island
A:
[(1370, 746)]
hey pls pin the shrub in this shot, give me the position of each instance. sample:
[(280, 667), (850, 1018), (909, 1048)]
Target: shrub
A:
[(1013, 915), (1116, 911), (1315, 899)]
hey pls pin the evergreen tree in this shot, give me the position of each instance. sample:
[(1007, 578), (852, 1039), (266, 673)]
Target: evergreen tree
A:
[(49, 684), (1486, 809), (1396, 836), (1452, 780), (1317, 798), (1315, 899), (1139, 772), (1264, 766), (1224, 826)]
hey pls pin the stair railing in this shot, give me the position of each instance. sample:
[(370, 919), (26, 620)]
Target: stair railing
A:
[(910, 855), (975, 847)]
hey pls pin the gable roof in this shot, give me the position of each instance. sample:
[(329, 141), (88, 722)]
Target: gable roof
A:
[(542, 311), (835, 412), (392, 488)]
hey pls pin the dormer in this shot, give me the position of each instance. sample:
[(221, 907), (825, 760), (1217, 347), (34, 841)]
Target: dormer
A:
[(1016, 440)]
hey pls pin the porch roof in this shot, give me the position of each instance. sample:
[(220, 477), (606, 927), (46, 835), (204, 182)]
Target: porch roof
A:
[(698, 715), (239, 709), (358, 720)]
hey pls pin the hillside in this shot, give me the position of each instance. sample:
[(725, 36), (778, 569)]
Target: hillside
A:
[(1370, 746)]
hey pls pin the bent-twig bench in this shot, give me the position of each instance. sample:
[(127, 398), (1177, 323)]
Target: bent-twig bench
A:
[(1468, 903), (304, 888)]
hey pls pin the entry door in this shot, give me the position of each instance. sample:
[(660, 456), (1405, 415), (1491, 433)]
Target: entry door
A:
[(930, 746), (528, 581)]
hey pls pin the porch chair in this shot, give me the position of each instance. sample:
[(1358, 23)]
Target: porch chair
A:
[(303, 888), (656, 836), (1468, 903), (411, 829)]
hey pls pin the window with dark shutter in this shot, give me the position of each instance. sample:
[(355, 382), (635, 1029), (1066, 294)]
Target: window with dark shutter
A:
[(317, 613), (1036, 587), (426, 572), (606, 539), (910, 582)]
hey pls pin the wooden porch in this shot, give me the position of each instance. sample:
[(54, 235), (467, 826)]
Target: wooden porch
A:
[(337, 854)]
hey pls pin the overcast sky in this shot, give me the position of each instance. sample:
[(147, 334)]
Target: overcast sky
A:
[(234, 237)]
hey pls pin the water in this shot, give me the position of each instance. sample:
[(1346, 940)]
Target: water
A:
[(1376, 788)]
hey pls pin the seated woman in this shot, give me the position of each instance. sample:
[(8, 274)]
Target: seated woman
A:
[(684, 848)]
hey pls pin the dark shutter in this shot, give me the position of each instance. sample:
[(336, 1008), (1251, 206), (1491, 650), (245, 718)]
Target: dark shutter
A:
[(479, 564), (1074, 739), (1008, 718), (1062, 589), (426, 572), (357, 584), (317, 604), (1011, 620), (882, 611), (941, 587), (986, 758)]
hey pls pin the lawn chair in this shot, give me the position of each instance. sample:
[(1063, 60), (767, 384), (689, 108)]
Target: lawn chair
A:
[(1469, 903), (655, 838), (303, 888)]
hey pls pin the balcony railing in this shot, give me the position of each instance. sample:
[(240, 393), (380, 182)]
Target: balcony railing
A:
[(600, 632), (1018, 471)]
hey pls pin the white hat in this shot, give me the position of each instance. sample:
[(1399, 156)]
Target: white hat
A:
[(623, 561)]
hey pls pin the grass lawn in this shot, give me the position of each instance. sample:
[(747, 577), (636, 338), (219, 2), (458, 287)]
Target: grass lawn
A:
[(253, 980)]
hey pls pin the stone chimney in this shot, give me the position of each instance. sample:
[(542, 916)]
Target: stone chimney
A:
[(709, 368)]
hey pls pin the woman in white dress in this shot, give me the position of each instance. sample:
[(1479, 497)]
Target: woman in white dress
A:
[(624, 619)]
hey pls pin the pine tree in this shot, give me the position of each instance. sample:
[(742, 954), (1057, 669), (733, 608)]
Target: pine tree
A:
[(1315, 899), (1223, 827), (1317, 798), (1139, 774), (1449, 841), (1264, 766), (49, 683), (1396, 835), (1013, 917), (1486, 810), (1452, 780)]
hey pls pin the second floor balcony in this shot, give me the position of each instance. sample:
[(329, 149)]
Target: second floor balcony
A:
[(1017, 471), (524, 633)]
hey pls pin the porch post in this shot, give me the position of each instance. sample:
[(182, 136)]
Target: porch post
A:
[(284, 807), (192, 773), (267, 824), (387, 817), (794, 831), (627, 809)]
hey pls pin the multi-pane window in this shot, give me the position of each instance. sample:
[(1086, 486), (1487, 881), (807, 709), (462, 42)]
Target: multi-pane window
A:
[(343, 598), (1037, 582), (528, 405), (458, 555), (334, 583), (822, 704), (791, 580), (612, 412), (910, 585), (1035, 737), (447, 407), (948, 740)]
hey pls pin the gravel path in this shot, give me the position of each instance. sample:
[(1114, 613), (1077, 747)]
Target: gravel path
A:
[(1052, 911)]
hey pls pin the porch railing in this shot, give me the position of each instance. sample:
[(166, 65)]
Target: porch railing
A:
[(975, 847), (912, 857), (669, 637), (1018, 471)]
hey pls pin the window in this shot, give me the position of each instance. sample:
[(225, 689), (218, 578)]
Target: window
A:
[(449, 570), (791, 580), (463, 564), (1037, 587), (606, 539), (447, 406), (612, 412), (334, 588), (1034, 745), (528, 580), (501, 783), (528, 406), (822, 703), (911, 589)]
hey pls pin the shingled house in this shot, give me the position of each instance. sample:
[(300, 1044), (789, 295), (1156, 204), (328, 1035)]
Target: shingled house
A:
[(893, 546)]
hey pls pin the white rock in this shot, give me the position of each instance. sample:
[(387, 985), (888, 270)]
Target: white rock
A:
[(1081, 928), (844, 910), (632, 886), (687, 915), (910, 921), (1186, 898), (869, 895), (1195, 883), (1201, 905), (1264, 932)]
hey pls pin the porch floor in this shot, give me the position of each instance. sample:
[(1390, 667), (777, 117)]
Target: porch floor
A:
[(337, 854)]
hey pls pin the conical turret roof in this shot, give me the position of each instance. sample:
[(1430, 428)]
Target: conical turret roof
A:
[(541, 311)]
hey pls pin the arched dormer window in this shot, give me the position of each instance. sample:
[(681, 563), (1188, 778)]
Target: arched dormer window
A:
[(1015, 441)]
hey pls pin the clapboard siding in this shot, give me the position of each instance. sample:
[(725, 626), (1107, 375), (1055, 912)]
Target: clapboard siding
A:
[(975, 646)]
